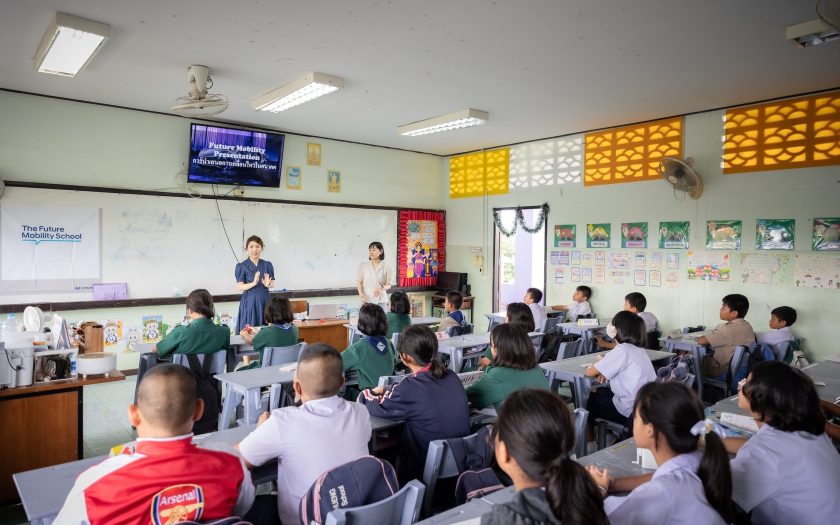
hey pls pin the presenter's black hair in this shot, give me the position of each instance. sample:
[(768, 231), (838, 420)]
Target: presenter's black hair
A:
[(254, 238), (378, 246)]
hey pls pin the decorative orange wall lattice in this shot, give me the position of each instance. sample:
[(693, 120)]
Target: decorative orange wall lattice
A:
[(631, 153), (477, 174), (794, 133)]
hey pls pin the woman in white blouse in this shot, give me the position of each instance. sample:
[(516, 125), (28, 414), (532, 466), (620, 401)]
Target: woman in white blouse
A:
[(374, 277), (689, 486)]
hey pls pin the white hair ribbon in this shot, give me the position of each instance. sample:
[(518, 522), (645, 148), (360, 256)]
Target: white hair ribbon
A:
[(704, 426)]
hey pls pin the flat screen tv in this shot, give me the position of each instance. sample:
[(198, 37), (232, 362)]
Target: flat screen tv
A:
[(452, 281), (239, 157)]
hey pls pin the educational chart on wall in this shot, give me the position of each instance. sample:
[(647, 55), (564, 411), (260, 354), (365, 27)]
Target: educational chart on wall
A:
[(826, 234), (49, 248), (765, 268), (674, 235), (723, 235), (565, 235), (774, 234), (598, 235), (708, 266), (634, 234), (817, 271)]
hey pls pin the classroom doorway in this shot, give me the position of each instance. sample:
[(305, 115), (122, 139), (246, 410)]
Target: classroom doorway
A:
[(519, 259)]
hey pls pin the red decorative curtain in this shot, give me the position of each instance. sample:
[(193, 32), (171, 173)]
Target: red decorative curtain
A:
[(421, 247)]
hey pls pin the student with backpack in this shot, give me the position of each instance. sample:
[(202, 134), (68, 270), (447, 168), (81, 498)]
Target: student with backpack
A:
[(789, 471), (689, 486), (324, 432), (534, 437), (431, 401)]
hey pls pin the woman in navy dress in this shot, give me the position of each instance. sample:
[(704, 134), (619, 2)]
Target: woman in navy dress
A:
[(254, 278)]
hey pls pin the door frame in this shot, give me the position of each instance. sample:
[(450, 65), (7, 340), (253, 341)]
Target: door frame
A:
[(494, 298)]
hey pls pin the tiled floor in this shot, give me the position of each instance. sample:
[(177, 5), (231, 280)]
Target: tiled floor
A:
[(105, 411)]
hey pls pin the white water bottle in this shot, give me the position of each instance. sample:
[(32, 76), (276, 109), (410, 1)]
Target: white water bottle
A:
[(73, 372)]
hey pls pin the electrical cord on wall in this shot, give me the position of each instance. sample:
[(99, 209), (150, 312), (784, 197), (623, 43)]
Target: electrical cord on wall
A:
[(222, 220)]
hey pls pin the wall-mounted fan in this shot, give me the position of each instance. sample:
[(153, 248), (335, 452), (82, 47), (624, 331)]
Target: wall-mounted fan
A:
[(681, 175), (198, 102)]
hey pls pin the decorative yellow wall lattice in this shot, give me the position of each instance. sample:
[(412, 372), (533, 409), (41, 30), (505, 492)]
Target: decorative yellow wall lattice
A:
[(477, 174), (631, 153), (794, 133)]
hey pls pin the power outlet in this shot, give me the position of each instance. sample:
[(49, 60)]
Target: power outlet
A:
[(239, 192)]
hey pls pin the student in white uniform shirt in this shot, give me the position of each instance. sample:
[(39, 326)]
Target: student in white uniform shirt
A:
[(689, 486), (780, 320), (636, 303), (789, 471), (324, 432), (627, 367), (532, 298), (579, 305)]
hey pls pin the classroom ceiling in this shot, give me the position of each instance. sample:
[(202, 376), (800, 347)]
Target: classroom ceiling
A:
[(540, 68)]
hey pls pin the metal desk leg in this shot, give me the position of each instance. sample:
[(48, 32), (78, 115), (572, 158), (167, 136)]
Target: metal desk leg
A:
[(252, 405), (699, 352), (581, 395), (228, 408), (456, 359)]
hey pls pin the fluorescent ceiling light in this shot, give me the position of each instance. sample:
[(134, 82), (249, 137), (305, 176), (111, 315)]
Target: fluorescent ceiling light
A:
[(460, 119), (69, 44), (811, 33), (306, 88)]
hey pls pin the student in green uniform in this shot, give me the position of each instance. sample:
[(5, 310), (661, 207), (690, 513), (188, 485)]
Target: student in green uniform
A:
[(201, 336), (398, 317), (514, 367), (373, 355), (280, 331)]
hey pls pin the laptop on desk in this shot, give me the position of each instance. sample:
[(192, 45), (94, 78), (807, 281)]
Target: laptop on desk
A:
[(323, 311)]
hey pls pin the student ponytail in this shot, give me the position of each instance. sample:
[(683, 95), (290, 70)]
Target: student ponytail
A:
[(571, 493), (421, 344), (537, 430), (673, 409), (716, 476)]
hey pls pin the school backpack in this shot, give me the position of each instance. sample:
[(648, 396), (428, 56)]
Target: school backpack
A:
[(757, 352), (795, 356), (680, 369), (360, 482), (550, 345), (208, 391), (474, 484)]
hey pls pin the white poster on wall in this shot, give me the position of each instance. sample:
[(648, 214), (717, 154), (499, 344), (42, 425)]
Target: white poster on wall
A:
[(40, 243)]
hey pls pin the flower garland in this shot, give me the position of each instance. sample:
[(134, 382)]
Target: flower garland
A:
[(519, 220)]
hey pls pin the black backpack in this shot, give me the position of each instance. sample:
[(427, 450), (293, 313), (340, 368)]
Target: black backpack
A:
[(550, 345), (208, 391)]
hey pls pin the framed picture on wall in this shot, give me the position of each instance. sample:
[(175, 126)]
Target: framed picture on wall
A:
[(334, 181), (313, 154), (418, 305), (293, 178)]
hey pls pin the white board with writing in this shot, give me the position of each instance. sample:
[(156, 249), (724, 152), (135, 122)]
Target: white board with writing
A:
[(163, 246)]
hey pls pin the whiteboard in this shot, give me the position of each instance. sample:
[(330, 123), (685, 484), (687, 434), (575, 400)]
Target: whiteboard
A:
[(164, 246)]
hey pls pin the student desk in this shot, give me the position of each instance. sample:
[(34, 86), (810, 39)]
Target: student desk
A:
[(496, 318), (353, 328), (455, 347), (42, 425), (585, 333), (827, 372), (247, 384), (573, 369), (44, 490)]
